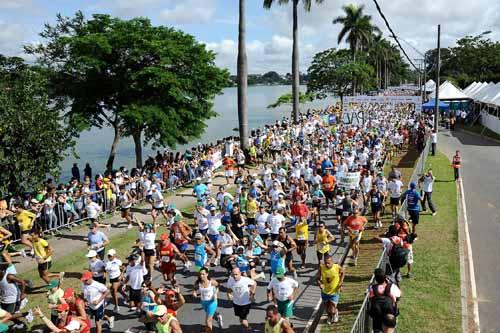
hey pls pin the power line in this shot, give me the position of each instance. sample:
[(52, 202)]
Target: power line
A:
[(394, 35)]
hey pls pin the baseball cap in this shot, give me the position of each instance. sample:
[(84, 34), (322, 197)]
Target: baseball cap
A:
[(163, 237), (198, 236), (280, 272), (91, 254), (213, 208), (86, 276), (62, 307), (221, 228), (250, 227), (148, 226), (73, 325), (52, 284), (69, 292), (170, 292), (413, 185), (159, 310), (177, 218), (111, 252), (240, 248)]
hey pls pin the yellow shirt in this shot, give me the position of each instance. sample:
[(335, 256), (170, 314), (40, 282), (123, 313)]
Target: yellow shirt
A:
[(273, 329), (322, 242), (25, 219), (165, 328), (302, 231), (330, 278), (252, 208), (40, 250)]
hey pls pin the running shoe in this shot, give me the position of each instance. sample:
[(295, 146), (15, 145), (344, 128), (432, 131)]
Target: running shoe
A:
[(23, 304), (29, 317), (218, 318), (130, 226), (61, 276), (23, 253), (295, 276), (111, 322), (336, 317)]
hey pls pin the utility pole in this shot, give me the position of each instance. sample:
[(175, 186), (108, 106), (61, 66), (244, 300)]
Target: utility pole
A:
[(438, 69), (425, 80)]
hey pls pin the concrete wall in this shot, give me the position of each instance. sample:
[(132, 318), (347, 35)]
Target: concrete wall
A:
[(490, 121)]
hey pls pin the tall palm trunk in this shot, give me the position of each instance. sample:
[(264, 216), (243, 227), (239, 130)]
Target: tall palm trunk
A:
[(242, 73), (114, 145), (138, 148), (295, 63)]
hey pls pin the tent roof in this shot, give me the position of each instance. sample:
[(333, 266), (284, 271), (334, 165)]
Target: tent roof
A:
[(432, 103), (470, 87), (485, 92), (448, 91)]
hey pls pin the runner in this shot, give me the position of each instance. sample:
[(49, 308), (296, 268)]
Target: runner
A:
[(241, 291), (125, 200), (330, 279), (133, 278), (228, 163), (165, 322), (158, 205), (355, 225), (323, 238), (200, 253), (166, 253), (95, 294), (395, 188), (376, 198), (317, 194), (43, 254), (114, 271), (328, 184), (290, 246), (274, 322), (96, 266), (412, 198), (302, 239), (208, 289), (97, 240), (282, 291)]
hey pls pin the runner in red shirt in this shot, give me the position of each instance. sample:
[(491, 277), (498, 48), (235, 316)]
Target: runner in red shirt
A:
[(228, 163), (166, 254), (355, 224)]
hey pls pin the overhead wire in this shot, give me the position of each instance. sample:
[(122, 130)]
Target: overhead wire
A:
[(394, 35)]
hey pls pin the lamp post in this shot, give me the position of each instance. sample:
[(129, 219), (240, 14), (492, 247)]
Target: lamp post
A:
[(436, 100)]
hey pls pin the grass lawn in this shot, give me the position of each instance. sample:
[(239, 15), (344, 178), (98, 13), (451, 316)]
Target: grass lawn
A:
[(431, 300), (358, 277)]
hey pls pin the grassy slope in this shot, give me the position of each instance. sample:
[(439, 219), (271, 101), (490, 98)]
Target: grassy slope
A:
[(431, 300), (358, 277)]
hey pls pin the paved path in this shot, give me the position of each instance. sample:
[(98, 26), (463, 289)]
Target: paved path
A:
[(481, 180), (191, 316)]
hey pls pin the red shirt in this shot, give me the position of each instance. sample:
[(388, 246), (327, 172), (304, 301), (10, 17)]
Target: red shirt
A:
[(355, 222)]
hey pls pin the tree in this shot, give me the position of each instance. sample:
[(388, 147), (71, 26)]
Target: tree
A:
[(271, 77), (242, 78), (288, 99), (34, 139), (332, 71), (155, 84), (295, 53), (357, 30)]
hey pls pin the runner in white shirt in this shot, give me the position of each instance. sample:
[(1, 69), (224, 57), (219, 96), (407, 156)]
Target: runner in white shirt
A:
[(282, 291), (241, 291), (158, 204), (113, 269), (395, 188), (275, 222), (94, 294)]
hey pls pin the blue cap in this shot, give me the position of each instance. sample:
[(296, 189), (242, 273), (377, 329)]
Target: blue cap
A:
[(413, 185), (250, 227)]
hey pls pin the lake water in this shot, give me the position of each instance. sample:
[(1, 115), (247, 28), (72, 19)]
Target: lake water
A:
[(93, 146)]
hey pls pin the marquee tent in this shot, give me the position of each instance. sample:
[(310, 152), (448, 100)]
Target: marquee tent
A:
[(432, 103), (448, 92)]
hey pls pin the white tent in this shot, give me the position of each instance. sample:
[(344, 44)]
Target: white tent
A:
[(488, 93), (429, 85), (471, 87), (448, 91)]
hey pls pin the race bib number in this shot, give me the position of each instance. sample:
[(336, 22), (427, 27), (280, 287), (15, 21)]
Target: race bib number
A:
[(197, 257), (345, 213), (301, 237), (282, 294), (165, 259), (374, 200)]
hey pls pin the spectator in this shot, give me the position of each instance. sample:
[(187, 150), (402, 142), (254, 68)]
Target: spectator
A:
[(428, 180), (383, 297), (75, 172)]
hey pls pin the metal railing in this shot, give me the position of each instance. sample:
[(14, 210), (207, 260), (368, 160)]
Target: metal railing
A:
[(363, 322)]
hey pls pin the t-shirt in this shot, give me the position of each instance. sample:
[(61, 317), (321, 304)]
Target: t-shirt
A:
[(328, 183), (240, 289), (96, 239), (92, 292), (199, 190), (96, 267), (412, 199), (330, 278), (135, 275), (282, 289), (275, 222), (428, 182), (25, 219), (214, 222), (201, 219), (40, 250), (224, 240), (113, 268), (355, 222), (261, 220), (92, 210), (395, 188)]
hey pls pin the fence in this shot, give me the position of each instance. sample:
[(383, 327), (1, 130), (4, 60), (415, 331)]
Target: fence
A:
[(363, 323)]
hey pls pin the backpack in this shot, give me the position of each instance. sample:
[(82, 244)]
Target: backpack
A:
[(398, 256), (382, 304)]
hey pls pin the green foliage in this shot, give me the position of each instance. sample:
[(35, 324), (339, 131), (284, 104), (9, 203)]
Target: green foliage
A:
[(332, 71), (131, 75), (33, 137), (287, 99), (473, 58)]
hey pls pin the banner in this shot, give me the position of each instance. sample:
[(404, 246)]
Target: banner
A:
[(359, 109), (349, 180)]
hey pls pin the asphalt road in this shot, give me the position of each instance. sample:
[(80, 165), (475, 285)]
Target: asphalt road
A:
[(191, 315), (481, 180)]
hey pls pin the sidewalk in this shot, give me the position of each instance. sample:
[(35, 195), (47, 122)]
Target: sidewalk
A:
[(74, 240)]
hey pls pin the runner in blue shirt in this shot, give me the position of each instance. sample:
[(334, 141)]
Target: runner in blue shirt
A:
[(199, 189), (412, 202)]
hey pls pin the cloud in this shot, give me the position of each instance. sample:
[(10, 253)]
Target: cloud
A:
[(189, 11), (15, 4), (263, 56), (11, 38)]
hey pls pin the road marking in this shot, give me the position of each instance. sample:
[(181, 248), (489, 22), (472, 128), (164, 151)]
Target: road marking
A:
[(475, 306)]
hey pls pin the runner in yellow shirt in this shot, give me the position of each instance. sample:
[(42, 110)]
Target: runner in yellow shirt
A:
[(26, 220), (166, 322), (322, 240), (301, 239), (43, 255), (330, 278)]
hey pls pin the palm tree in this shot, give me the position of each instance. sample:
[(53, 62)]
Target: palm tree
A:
[(357, 30), (295, 53), (242, 77)]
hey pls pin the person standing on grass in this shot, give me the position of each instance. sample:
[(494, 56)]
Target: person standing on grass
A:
[(456, 164), (282, 291), (94, 294), (428, 180), (412, 202), (433, 142), (383, 296), (43, 255), (330, 279), (241, 291)]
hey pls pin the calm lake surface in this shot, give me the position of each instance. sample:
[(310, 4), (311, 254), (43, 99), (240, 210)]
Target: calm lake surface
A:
[(93, 146)]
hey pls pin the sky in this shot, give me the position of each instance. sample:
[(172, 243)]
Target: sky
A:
[(269, 43)]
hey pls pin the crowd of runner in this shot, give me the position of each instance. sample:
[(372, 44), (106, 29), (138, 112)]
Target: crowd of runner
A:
[(257, 230)]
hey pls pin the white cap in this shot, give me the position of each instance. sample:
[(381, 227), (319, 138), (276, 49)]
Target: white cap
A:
[(111, 252), (91, 254), (277, 243), (73, 325)]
